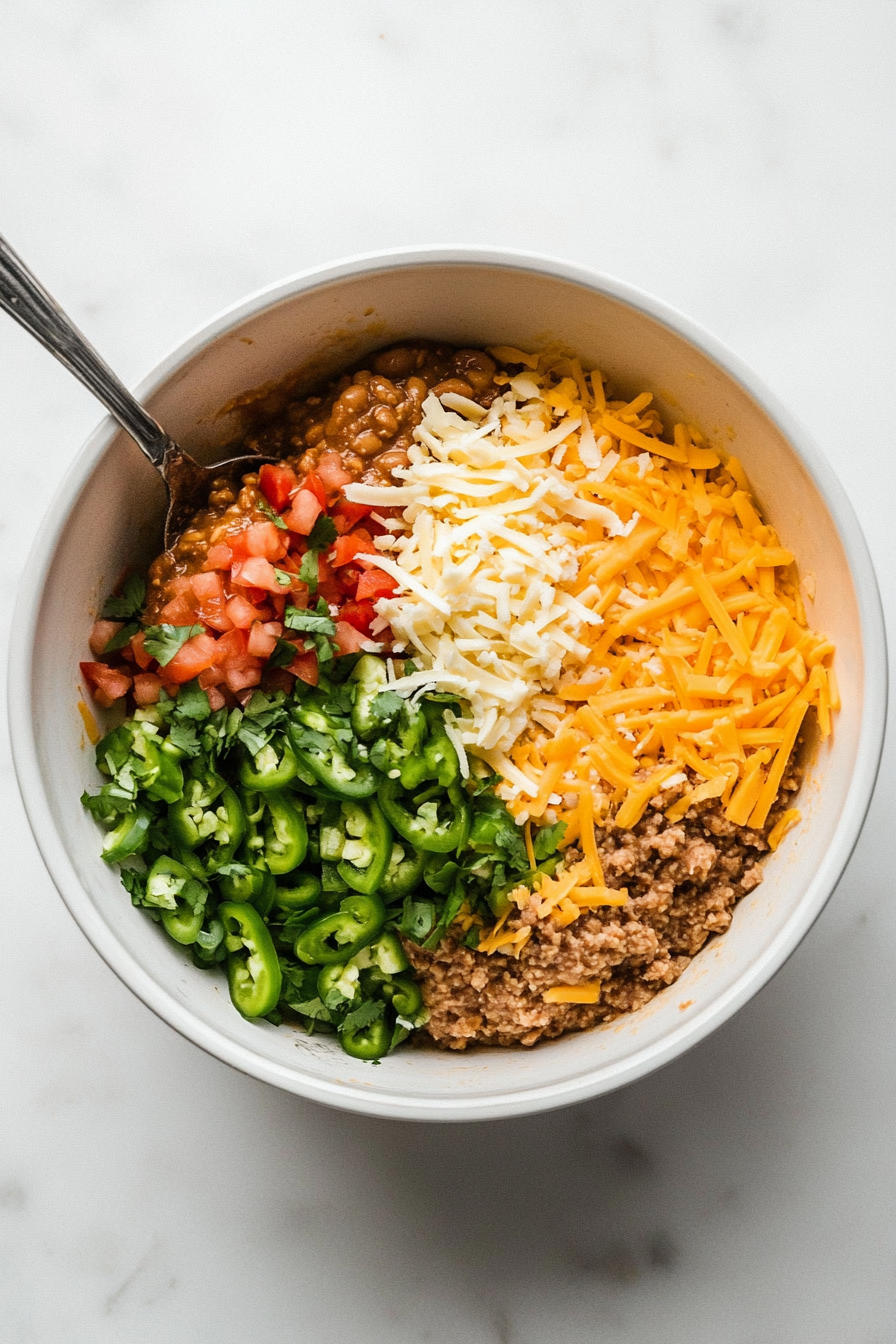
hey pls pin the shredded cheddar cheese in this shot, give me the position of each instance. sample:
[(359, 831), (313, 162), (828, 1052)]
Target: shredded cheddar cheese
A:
[(610, 605)]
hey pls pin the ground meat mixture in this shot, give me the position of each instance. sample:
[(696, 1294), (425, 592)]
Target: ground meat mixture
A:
[(684, 881)]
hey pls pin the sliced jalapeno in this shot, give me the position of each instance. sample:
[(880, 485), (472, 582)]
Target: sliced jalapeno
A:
[(278, 837), (341, 935), (249, 883), (369, 676), (370, 1042), (404, 872), (406, 996), (388, 954), (180, 896), (273, 767), (338, 985), (209, 814), (130, 836), (328, 761), (437, 825), (253, 969), (357, 837), (301, 893)]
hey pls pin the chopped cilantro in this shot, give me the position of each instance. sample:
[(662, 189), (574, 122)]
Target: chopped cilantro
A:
[(129, 603), (164, 641), (547, 839), (283, 578), (192, 702), (386, 705), (185, 737), (362, 1016), (315, 624), (309, 571), (264, 506), (122, 637), (322, 534)]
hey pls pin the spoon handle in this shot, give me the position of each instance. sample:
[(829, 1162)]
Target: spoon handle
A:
[(25, 299)]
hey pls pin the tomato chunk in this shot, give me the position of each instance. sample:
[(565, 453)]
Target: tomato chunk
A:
[(348, 639), (256, 572), (331, 472), (101, 633), (265, 539), (345, 514), (305, 667), (277, 483), (347, 547), (181, 610), (147, 688), (261, 642), (219, 557), (359, 614), (375, 583), (192, 658), (106, 683), (304, 513), (315, 485)]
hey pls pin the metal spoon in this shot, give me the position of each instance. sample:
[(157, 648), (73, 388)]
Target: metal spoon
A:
[(187, 481)]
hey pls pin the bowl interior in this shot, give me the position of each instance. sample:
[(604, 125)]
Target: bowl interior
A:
[(109, 515)]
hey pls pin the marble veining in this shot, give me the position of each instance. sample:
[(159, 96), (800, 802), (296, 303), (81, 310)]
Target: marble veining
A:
[(737, 159)]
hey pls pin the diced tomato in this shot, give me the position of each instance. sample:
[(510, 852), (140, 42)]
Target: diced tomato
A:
[(210, 599), (265, 539), (345, 514), (101, 633), (277, 484), (106, 683), (181, 610), (347, 577), (314, 484), (261, 642), (256, 572), (304, 513), (147, 688), (241, 612), (212, 676), (219, 557), (141, 657), (239, 678), (332, 473), (238, 543), (359, 614), (215, 698), (192, 658), (233, 649), (375, 583), (348, 639), (346, 548), (304, 666), (278, 679)]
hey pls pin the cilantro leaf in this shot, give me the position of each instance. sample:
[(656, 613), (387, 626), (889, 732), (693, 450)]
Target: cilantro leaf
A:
[(283, 578), (312, 1008), (124, 636), (297, 619), (386, 706), (547, 838), (192, 702), (369, 1011), (322, 534), (129, 603), (164, 641), (417, 919), (185, 737), (262, 504), (283, 654), (309, 571)]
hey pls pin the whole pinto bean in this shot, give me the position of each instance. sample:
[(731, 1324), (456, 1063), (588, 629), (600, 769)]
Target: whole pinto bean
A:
[(386, 422), (395, 363), (392, 458), (459, 386), (366, 443), (476, 367)]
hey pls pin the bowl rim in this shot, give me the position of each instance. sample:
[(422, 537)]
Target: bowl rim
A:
[(457, 1107)]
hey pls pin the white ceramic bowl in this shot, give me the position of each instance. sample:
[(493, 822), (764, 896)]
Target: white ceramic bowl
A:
[(107, 514)]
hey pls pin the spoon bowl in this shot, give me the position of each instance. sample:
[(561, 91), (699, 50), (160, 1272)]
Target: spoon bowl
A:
[(187, 481)]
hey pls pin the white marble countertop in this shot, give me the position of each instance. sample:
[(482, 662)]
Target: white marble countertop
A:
[(737, 159)]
